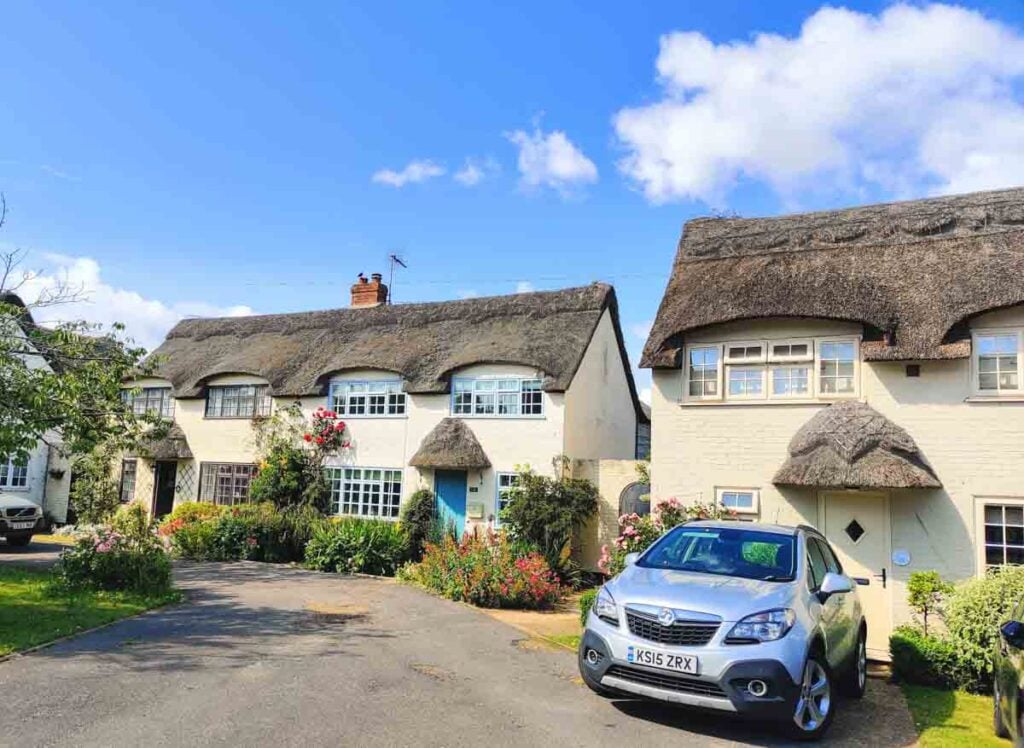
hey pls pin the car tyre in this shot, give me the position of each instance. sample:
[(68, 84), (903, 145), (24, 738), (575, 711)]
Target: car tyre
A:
[(19, 541), (592, 684), (815, 703), (855, 678), (998, 725)]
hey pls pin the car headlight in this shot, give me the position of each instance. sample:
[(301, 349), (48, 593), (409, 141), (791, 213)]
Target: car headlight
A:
[(605, 607), (763, 627)]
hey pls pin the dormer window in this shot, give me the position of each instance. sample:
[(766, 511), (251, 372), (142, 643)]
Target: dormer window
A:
[(371, 399), (152, 400), (238, 401), (497, 397), (997, 362)]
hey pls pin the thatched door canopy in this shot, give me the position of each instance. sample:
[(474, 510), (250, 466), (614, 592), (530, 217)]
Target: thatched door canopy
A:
[(172, 446), (451, 445), (851, 445)]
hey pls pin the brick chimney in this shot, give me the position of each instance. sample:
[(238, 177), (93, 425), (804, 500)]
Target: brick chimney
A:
[(367, 293)]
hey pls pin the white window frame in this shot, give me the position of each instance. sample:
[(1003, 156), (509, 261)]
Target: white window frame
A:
[(13, 474), (755, 508), (476, 393), (976, 363), (745, 360), (262, 401), (772, 368), (818, 343), (980, 502), (211, 471), (365, 489), (394, 397), (720, 369), (790, 358), (500, 490), (758, 368), (129, 480)]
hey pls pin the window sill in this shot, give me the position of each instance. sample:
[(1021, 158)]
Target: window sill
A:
[(14, 489), (995, 399), (762, 403), (403, 417), (490, 417), (233, 418)]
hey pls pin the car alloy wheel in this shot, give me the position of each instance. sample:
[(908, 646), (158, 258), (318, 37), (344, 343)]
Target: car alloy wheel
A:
[(815, 702), (862, 664)]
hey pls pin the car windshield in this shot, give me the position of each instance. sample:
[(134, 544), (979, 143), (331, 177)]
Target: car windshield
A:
[(731, 552)]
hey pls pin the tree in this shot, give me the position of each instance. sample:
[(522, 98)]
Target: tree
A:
[(925, 593)]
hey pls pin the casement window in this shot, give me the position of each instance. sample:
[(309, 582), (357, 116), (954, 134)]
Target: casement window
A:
[(225, 483), (127, 489), (503, 397), (365, 492), (740, 500), (153, 400), (1003, 533), (238, 401), (377, 399), (796, 369), (505, 484), (13, 473), (703, 370), (997, 362)]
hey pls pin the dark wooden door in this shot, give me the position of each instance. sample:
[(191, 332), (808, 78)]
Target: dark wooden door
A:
[(163, 493)]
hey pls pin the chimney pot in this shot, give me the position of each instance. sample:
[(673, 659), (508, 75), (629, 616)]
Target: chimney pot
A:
[(376, 276), (369, 292)]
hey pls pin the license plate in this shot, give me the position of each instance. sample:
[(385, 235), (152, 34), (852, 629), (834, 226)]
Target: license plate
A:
[(22, 525), (679, 663)]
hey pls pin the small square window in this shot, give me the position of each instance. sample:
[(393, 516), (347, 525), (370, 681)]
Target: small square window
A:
[(740, 500)]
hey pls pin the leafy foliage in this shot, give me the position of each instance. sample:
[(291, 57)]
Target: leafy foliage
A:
[(127, 555), (419, 520), (488, 570), (95, 493), (587, 600), (356, 545), (923, 659), (925, 593)]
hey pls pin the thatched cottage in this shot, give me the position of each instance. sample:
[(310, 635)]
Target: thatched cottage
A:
[(859, 370), (450, 396)]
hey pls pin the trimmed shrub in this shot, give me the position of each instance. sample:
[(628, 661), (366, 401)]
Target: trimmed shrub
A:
[(924, 660), (486, 570), (419, 520), (356, 545), (926, 591), (127, 555), (587, 600)]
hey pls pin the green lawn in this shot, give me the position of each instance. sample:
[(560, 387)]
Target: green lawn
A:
[(568, 640), (31, 613), (952, 718)]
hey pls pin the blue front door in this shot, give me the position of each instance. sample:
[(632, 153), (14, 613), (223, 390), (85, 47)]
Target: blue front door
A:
[(450, 488)]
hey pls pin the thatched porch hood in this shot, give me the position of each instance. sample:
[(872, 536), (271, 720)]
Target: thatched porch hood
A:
[(852, 445), (451, 445), (171, 446), (912, 273)]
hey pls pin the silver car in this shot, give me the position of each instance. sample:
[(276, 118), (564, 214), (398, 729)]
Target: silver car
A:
[(739, 617)]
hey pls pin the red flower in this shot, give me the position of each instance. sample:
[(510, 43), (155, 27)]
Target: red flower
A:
[(319, 440), (331, 414), (308, 437), (339, 426)]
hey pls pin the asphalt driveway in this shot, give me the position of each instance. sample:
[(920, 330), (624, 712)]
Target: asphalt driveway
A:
[(272, 655)]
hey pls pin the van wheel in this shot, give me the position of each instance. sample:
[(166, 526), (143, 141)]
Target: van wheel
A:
[(815, 705), (998, 725), (855, 679)]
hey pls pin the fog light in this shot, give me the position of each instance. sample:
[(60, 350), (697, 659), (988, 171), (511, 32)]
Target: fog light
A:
[(593, 656), (757, 688)]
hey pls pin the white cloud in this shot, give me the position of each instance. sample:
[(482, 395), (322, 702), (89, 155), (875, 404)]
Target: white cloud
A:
[(146, 320), (915, 98), (476, 170), (551, 160), (524, 287), (467, 293), (641, 330), (419, 170)]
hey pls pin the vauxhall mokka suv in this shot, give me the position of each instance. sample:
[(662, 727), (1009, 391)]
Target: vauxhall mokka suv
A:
[(739, 617)]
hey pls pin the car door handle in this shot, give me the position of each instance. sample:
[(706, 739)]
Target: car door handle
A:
[(862, 581), (882, 576)]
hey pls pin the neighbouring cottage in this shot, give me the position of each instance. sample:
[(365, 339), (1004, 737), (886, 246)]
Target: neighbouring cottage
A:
[(44, 478), (858, 370), (450, 396)]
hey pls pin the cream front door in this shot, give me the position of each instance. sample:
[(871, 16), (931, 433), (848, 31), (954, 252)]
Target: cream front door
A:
[(857, 527)]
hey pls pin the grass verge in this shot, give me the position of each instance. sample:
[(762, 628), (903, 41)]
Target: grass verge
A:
[(952, 718), (32, 613)]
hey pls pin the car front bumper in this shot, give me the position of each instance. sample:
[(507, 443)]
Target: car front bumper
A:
[(8, 525), (722, 679)]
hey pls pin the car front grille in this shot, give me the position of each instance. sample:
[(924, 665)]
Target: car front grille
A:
[(680, 633), (667, 682), (22, 511)]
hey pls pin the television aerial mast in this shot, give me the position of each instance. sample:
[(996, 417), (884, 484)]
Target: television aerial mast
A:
[(394, 259)]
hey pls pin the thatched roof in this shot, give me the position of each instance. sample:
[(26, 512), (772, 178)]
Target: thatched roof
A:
[(912, 272), (424, 343), (851, 445), (450, 445), (171, 446)]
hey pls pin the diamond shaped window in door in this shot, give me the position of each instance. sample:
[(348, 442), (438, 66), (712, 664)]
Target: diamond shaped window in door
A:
[(854, 530)]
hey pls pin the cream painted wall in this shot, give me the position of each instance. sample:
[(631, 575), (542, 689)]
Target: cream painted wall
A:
[(600, 415), (976, 448)]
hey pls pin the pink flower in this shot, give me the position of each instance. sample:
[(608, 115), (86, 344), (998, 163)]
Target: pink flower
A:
[(339, 426)]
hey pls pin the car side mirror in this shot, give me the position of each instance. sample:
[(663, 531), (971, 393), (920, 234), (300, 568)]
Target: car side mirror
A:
[(1013, 633), (834, 584), (631, 558)]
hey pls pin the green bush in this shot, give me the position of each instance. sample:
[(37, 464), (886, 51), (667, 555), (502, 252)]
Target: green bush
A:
[(419, 520), (355, 545), (486, 570), (973, 614), (925, 660), (127, 555), (926, 591), (587, 600)]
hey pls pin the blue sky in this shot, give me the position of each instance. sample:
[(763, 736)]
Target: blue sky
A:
[(219, 158)]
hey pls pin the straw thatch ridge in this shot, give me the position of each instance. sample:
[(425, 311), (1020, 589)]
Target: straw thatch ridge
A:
[(171, 446), (451, 445), (912, 273), (424, 343), (851, 445)]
